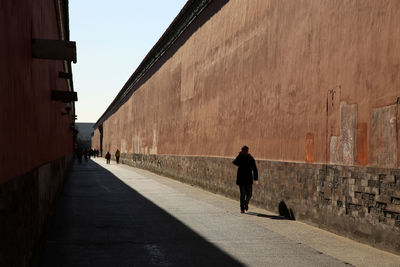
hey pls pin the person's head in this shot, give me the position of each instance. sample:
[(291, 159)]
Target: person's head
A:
[(245, 150)]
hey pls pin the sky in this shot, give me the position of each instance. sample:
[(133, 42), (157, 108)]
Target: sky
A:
[(112, 38)]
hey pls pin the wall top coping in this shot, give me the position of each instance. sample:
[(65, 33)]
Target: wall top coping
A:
[(186, 16)]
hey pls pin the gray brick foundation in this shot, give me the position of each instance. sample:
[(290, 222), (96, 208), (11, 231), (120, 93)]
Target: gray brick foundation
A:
[(26, 205), (362, 203)]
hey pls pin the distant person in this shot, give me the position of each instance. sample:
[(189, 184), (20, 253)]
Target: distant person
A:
[(86, 155), (108, 157), (79, 156), (117, 155), (247, 166)]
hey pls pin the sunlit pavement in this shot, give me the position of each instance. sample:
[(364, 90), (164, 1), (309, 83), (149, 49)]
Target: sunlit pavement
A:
[(116, 215)]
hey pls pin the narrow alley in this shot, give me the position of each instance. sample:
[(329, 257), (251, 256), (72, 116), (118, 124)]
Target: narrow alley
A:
[(116, 215)]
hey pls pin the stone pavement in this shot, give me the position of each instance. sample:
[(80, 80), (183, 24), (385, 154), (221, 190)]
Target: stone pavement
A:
[(116, 215)]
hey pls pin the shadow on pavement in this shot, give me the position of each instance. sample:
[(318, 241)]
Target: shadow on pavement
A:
[(274, 217), (100, 221)]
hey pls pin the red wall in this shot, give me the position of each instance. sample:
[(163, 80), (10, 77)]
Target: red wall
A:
[(304, 81), (32, 129)]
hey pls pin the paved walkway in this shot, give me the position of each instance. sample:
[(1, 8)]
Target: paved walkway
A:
[(116, 215)]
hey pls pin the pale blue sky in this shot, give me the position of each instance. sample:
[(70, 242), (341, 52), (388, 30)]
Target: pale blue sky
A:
[(112, 38)]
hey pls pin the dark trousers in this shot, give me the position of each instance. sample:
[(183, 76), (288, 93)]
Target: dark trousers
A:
[(108, 161), (246, 190), (117, 159)]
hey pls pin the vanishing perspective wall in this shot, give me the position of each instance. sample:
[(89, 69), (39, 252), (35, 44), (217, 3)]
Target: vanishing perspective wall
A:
[(36, 139), (96, 139), (307, 84), (33, 131), (294, 80)]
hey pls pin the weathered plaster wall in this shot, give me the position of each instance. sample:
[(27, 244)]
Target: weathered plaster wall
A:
[(297, 81), (96, 139), (32, 129), (294, 80)]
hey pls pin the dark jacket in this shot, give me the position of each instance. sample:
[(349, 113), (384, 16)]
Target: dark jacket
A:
[(247, 166)]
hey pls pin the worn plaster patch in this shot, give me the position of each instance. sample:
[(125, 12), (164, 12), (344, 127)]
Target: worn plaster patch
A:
[(153, 149), (383, 137), (362, 144), (138, 142), (123, 145), (342, 147), (310, 147)]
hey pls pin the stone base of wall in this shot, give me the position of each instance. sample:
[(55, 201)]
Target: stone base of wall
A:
[(26, 205), (362, 203)]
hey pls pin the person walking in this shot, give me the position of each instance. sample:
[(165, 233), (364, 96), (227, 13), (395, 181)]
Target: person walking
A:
[(117, 155), (80, 156), (108, 157), (86, 155), (247, 172)]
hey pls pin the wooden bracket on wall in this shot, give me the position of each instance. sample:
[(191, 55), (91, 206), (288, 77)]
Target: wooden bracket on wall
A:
[(65, 75), (64, 96), (54, 49)]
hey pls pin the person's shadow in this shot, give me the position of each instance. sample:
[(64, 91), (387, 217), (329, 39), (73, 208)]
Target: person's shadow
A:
[(273, 217), (284, 213)]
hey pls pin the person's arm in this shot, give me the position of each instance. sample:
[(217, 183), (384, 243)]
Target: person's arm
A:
[(236, 161), (255, 171)]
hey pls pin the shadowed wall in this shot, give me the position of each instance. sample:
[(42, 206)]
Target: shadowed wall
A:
[(33, 131), (36, 140)]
